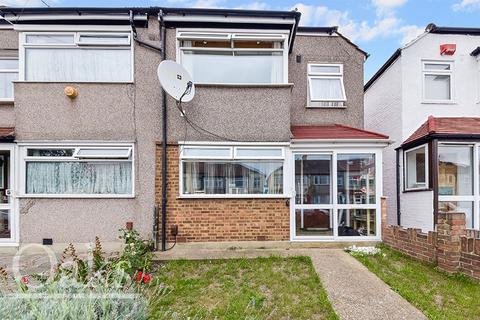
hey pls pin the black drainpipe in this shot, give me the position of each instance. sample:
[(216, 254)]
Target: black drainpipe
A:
[(399, 213), (164, 139)]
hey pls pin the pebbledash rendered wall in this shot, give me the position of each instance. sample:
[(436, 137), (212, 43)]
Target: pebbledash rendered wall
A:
[(452, 247), (230, 219)]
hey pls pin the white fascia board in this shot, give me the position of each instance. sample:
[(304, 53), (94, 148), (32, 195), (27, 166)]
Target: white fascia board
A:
[(56, 28), (231, 143), (335, 143), (226, 19), (53, 17)]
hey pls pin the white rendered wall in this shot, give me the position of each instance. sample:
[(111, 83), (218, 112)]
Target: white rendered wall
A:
[(383, 114)]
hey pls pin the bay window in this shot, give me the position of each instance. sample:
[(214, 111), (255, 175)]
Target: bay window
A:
[(227, 171), (416, 168), (437, 81), (8, 74), (325, 85), (73, 171), (234, 58), (77, 56)]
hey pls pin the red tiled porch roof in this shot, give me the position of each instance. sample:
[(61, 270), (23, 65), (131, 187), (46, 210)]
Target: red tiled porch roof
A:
[(446, 126), (333, 131), (7, 134)]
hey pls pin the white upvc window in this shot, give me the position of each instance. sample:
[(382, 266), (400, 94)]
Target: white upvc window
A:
[(76, 57), (325, 85), (76, 171), (416, 168), (8, 74), (232, 171), (234, 57), (438, 84)]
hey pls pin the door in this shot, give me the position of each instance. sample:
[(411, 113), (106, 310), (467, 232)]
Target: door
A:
[(8, 225)]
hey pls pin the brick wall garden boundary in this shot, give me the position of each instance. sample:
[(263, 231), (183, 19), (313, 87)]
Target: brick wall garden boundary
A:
[(452, 247)]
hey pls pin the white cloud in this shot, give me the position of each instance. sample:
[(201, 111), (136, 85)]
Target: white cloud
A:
[(254, 6), (467, 5), (388, 4), (26, 3), (206, 4)]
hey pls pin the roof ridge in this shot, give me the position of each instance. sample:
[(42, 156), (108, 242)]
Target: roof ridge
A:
[(431, 124)]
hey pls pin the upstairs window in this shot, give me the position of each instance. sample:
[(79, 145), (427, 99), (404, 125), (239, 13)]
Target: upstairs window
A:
[(416, 168), (325, 85), (231, 58), (437, 81), (8, 73), (77, 56)]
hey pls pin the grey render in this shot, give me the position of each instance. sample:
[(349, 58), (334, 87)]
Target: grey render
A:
[(132, 113)]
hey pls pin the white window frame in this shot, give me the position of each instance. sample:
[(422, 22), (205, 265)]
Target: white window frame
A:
[(3, 99), (324, 75), (334, 206), (405, 168), (23, 45), (235, 34), (232, 157), (450, 73), (24, 158)]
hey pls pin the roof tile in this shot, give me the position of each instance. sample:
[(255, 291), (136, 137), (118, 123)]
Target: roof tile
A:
[(333, 131)]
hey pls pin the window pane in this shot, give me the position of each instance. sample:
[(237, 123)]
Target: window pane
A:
[(356, 222), (313, 222), (312, 179), (325, 69), (437, 87), (5, 232), (50, 39), (105, 39), (415, 168), (50, 152), (326, 89), (8, 64), (258, 152), (233, 177), (357, 173), (103, 153), (257, 44), (238, 67), (78, 64), (455, 170), (206, 152), (6, 84), (79, 177), (460, 207), (435, 66), (208, 44)]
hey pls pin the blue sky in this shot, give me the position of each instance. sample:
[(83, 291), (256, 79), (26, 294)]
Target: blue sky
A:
[(377, 26)]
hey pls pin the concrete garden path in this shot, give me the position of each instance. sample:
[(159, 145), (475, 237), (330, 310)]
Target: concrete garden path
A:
[(355, 292)]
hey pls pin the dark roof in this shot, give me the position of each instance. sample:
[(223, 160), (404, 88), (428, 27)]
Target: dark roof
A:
[(333, 131), (383, 68), (475, 52), (445, 127), (7, 134), (329, 30), (431, 28)]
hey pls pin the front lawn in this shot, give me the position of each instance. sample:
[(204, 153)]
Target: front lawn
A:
[(262, 288), (436, 294)]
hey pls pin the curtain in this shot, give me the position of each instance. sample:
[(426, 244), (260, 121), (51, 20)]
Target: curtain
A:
[(6, 85), (79, 178), (77, 64), (326, 88)]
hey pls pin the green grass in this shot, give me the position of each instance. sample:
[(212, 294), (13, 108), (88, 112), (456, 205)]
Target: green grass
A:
[(436, 294), (262, 288)]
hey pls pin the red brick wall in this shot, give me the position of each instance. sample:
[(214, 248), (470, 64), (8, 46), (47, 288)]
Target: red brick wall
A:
[(219, 219), (452, 248)]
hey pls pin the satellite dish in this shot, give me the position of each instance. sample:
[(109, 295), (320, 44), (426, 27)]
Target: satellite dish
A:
[(176, 81)]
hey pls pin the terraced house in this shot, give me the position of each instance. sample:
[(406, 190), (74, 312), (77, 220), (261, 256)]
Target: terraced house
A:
[(272, 146)]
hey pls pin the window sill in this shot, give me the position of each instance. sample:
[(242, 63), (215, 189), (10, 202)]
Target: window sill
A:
[(416, 190), (233, 196), (39, 196), (326, 107), (244, 85), (439, 102), (6, 101)]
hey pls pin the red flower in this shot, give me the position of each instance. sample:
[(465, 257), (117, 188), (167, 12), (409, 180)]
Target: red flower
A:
[(25, 280), (147, 278), (143, 277)]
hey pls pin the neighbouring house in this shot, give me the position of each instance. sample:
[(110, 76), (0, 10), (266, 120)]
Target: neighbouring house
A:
[(426, 98), (272, 146)]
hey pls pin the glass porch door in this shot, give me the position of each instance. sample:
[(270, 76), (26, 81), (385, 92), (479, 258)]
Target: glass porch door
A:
[(7, 223), (336, 196)]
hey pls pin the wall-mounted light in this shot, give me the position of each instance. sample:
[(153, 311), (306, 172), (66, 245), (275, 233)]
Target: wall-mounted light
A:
[(71, 92)]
